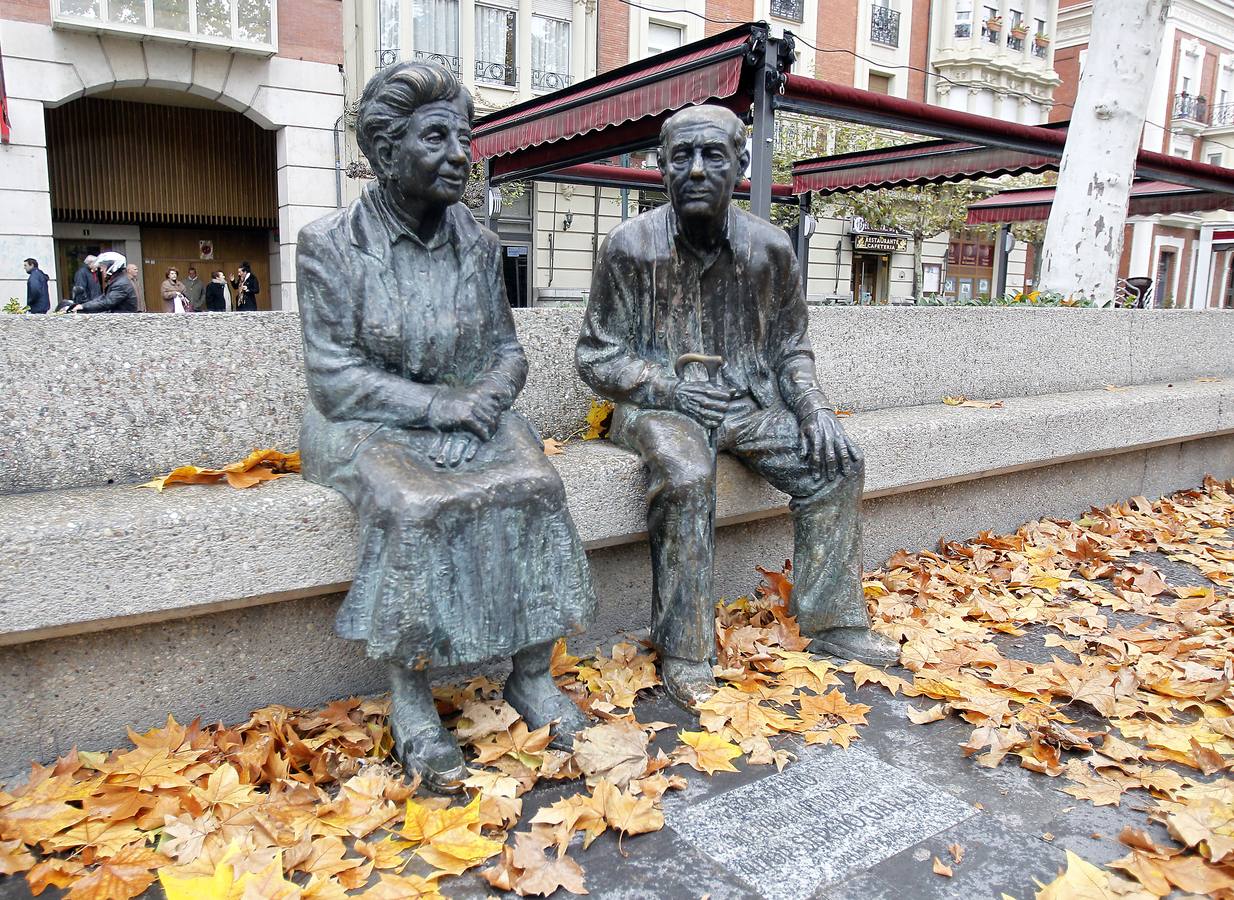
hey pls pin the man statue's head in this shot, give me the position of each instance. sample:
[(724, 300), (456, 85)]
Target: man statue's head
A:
[(702, 155)]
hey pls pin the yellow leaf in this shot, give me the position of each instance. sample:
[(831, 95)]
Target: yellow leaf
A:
[(1080, 881), (708, 752), (598, 419)]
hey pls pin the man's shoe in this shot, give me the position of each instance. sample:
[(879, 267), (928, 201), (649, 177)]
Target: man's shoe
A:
[(687, 682), (861, 644), (540, 702)]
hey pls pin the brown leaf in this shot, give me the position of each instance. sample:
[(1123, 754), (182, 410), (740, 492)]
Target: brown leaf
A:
[(14, 858), (120, 877), (615, 751), (941, 868)]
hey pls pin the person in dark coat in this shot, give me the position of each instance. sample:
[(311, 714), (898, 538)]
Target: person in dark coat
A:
[(37, 298), (195, 290), (467, 550), (246, 288), (119, 295), (87, 278), (216, 293)]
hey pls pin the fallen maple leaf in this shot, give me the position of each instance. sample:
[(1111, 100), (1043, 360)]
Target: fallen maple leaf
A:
[(615, 751), (258, 466), (553, 447), (941, 868), (1081, 880), (599, 417), (706, 752)]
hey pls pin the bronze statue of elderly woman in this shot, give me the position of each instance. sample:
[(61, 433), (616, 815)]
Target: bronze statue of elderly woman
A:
[(467, 551)]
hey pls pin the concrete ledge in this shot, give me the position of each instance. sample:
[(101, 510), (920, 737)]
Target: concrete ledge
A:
[(99, 558), (222, 665), (207, 389)]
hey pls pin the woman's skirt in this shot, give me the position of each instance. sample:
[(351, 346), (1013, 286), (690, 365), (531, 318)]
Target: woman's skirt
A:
[(458, 566)]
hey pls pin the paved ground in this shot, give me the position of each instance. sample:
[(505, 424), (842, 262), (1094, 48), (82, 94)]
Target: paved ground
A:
[(858, 824)]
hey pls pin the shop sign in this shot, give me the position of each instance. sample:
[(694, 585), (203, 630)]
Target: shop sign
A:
[(881, 242)]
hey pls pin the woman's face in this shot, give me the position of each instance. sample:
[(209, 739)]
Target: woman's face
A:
[(433, 159), (173, 274)]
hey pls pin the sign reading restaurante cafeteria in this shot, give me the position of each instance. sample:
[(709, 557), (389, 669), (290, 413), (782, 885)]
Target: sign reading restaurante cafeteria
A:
[(880, 241)]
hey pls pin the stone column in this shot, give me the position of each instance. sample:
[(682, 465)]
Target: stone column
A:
[(1202, 276), (578, 40), (523, 51), (467, 45)]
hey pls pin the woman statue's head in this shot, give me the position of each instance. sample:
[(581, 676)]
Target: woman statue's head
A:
[(414, 127)]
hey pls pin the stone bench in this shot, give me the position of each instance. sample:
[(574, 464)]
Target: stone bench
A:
[(121, 604)]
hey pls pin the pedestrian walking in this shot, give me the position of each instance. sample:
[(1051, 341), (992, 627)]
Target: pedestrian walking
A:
[(172, 290), (37, 298), (119, 292), (217, 295), (195, 290), (246, 289)]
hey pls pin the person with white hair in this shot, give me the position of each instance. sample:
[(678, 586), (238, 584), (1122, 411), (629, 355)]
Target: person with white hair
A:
[(118, 295), (87, 280)]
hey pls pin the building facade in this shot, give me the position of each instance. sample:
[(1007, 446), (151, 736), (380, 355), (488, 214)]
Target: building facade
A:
[(1189, 257), (181, 134)]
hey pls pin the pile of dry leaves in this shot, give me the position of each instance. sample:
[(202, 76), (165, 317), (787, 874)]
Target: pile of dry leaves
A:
[(305, 804)]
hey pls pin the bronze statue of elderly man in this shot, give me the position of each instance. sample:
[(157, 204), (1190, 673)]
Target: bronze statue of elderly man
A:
[(467, 552), (700, 276)]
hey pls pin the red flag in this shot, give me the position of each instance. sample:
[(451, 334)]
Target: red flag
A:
[(5, 124)]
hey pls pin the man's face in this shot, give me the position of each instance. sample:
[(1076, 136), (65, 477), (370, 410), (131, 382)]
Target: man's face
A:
[(131, 268), (700, 168), (29, 268), (192, 273), (432, 160)]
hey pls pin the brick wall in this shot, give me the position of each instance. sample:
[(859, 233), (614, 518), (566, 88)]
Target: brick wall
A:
[(919, 51), (613, 30), (727, 11), (26, 10), (837, 27), (1067, 65), (311, 30)]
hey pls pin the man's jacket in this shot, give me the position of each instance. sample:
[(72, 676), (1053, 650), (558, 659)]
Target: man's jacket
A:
[(36, 292), (119, 297)]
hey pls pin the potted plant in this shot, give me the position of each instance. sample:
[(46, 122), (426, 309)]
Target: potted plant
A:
[(994, 24), (1019, 30), (1042, 40)]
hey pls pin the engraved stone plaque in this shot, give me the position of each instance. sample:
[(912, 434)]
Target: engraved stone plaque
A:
[(830, 814)]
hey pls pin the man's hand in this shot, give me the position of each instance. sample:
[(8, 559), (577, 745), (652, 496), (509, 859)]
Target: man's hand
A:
[(454, 448), (825, 445), (465, 410), (703, 401)]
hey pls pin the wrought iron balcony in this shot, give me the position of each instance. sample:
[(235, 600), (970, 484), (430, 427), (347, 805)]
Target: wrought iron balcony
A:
[(387, 57), (1041, 51), (793, 10), (1190, 108), (496, 73), (542, 80), (1222, 114), (885, 26), (247, 27), (450, 62), (1015, 43)]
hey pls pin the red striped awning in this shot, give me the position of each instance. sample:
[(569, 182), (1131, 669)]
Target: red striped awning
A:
[(706, 70), (1148, 198), (929, 162), (641, 179)]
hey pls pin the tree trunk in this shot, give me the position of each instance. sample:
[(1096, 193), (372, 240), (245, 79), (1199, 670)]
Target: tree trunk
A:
[(1084, 237)]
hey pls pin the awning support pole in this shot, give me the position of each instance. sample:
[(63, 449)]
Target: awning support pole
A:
[(766, 83), (1002, 257), (803, 239)]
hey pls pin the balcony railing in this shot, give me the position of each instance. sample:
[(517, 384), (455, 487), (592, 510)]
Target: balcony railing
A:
[(496, 73), (442, 59), (1190, 107), (1222, 114), (244, 25), (1041, 51), (885, 26), (1015, 43), (963, 29), (542, 80), (991, 34), (387, 57), (793, 10)]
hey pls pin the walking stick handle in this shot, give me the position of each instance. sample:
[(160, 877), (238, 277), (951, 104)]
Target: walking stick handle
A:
[(711, 363)]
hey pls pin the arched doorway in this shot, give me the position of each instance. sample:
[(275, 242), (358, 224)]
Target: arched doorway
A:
[(168, 178)]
